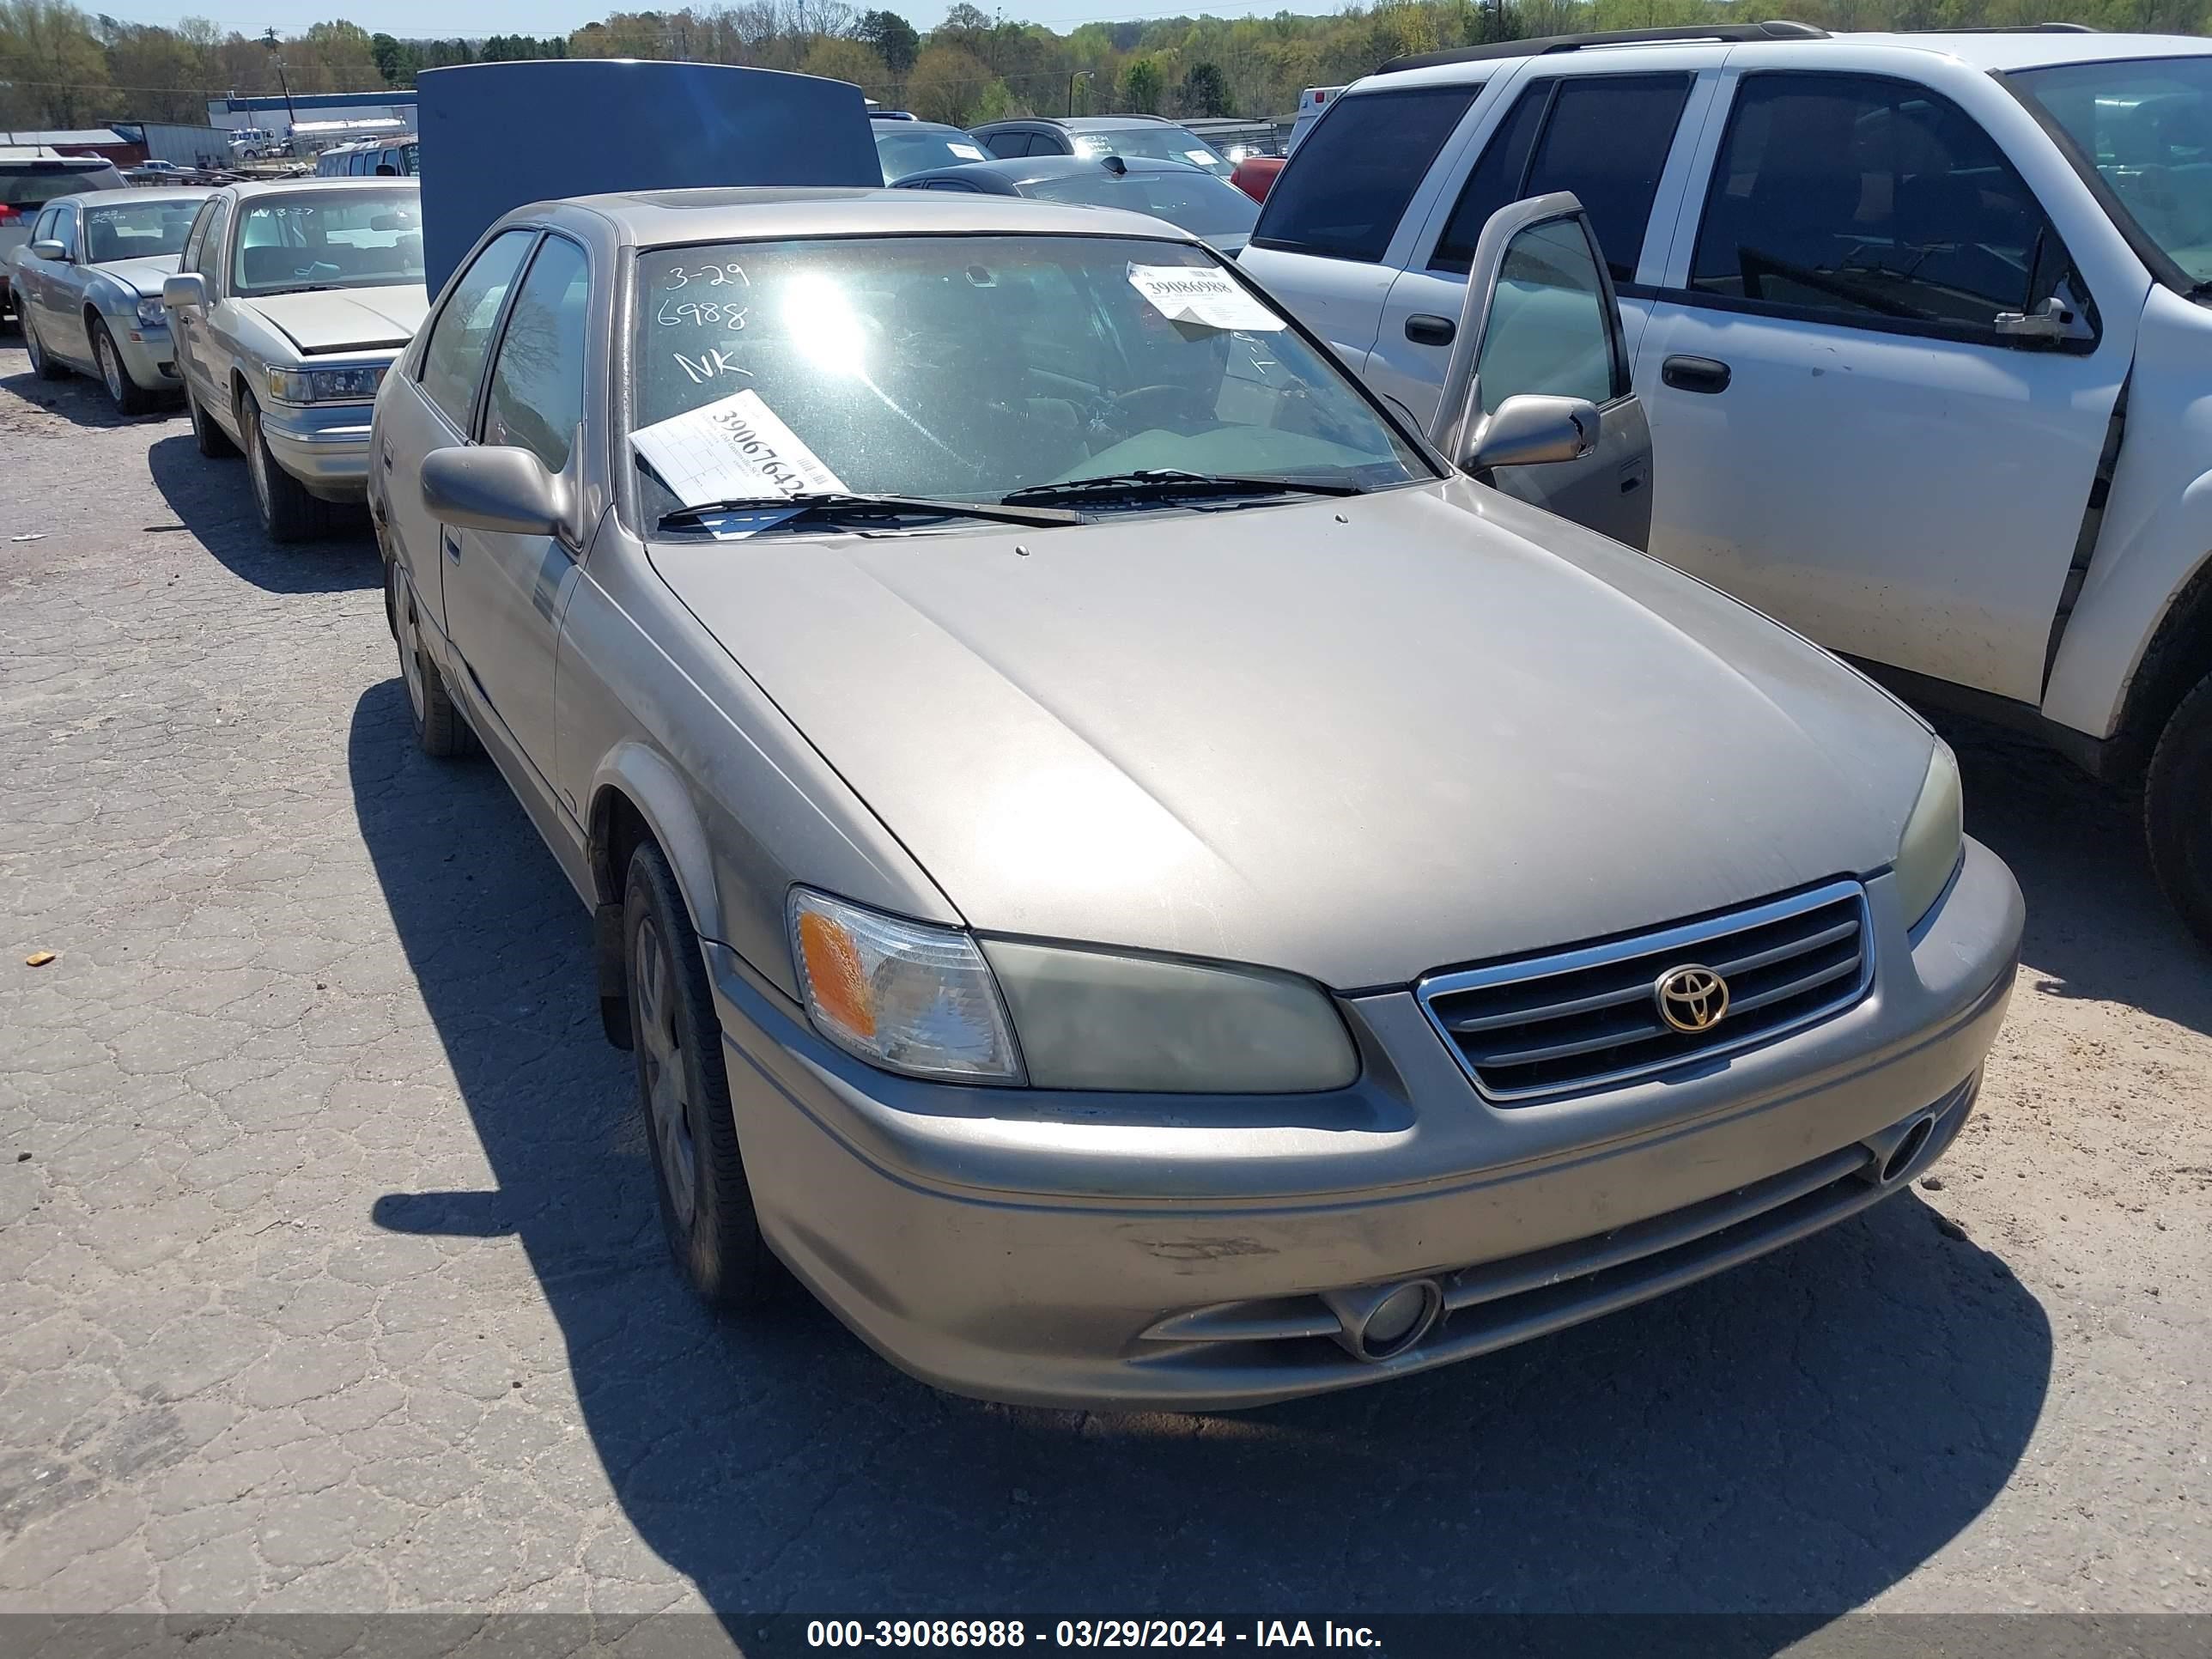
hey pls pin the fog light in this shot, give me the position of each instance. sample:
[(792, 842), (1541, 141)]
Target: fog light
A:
[(1384, 1321), (1403, 1311)]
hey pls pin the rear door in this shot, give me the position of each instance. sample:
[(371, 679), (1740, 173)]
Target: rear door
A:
[(1338, 214), (1852, 439)]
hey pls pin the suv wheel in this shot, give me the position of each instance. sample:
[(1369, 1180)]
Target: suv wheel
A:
[(127, 395), (706, 1204), (288, 513), (41, 365), (2178, 810)]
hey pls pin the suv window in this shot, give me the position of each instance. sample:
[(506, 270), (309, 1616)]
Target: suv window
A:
[(1603, 136), (1856, 199), (1357, 169), (1549, 330), (537, 379), (454, 355)]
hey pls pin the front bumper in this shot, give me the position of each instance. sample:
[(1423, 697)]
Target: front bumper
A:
[(1155, 1252), (149, 356), (324, 446)]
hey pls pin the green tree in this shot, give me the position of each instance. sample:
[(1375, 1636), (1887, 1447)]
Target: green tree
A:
[(947, 85), (837, 58), (891, 38), (50, 61), (1142, 85), (1206, 90)]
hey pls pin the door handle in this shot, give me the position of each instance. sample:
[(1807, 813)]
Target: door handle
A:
[(452, 545), (386, 455), (1707, 374), (1424, 330)]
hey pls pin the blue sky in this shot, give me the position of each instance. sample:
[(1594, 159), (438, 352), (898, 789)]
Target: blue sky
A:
[(477, 18)]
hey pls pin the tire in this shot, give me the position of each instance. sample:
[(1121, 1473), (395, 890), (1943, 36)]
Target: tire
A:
[(706, 1203), (442, 730), (214, 442), (2178, 810), (129, 397), (45, 367), (288, 513)]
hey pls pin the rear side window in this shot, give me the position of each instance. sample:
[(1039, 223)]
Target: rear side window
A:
[(1357, 169), (452, 357), (1605, 137), (1870, 201), (1007, 145)]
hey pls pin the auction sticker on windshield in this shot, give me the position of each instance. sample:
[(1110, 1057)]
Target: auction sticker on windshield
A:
[(966, 152), (1195, 294), (732, 449)]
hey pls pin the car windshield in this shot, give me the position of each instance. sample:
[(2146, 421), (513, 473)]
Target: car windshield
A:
[(907, 147), (1200, 203), (967, 368), (137, 230), (1156, 143), (36, 185), (344, 239), (2146, 125)]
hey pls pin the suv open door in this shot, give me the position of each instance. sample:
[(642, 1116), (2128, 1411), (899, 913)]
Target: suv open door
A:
[(1536, 399)]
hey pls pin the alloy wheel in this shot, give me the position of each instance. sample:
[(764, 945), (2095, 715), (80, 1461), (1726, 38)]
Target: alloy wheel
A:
[(411, 662), (256, 459), (666, 1092)]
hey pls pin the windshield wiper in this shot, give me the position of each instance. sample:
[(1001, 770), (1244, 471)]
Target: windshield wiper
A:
[(1163, 483), (855, 506)]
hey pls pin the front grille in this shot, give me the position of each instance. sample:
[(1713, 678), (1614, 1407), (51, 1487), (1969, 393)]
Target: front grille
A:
[(1585, 1018)]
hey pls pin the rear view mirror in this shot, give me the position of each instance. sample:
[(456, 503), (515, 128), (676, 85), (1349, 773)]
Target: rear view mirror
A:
[(183, 291), (1531, 429), (47, 248), (494, 487)]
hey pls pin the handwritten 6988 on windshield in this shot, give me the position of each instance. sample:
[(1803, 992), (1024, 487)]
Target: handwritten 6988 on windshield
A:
[(685, 303)]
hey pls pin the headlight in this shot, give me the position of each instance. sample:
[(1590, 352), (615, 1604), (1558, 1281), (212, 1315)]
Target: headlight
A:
[(1090, 1019), (151, 315), (900, 994), (1934, 836), (325, 385)]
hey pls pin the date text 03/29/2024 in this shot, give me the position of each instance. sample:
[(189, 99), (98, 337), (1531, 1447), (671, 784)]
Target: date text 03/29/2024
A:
[(1121, 1633)]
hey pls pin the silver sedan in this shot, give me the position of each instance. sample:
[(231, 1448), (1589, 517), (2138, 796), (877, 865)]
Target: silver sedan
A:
[(292, 300), (1123, 868), (89, 289)]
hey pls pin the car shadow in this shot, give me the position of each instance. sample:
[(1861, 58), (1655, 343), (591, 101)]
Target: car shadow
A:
[(213, 500), (2098, 927), (79, 399), (1792, 1438)]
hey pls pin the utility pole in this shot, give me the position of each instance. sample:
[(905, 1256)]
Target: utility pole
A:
[(1078, 75), (292, 115)]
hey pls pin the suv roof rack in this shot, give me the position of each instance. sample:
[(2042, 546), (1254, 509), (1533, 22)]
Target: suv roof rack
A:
[(1545, 44), (2011, 28)]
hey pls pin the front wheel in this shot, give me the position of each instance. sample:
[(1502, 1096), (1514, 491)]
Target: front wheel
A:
[(706, 1203), (2178, 810), (288, 513), (125, 393)]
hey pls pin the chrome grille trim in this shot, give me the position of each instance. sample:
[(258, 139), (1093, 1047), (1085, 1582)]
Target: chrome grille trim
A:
[(1497, 1020)]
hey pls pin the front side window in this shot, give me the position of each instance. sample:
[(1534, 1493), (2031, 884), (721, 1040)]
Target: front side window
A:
[(454, 353), (1868, 201), (1549, 331), (65, 230), (1197, 202), (346, 239), (968, 367), (537, 379), (1358, 169), (138, 230), (1605, 137), (2145, 126), (1007, 145)]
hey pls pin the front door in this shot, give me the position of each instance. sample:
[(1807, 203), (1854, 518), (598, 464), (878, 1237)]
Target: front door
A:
[(188, 329), (1854, 441), (504, 594)]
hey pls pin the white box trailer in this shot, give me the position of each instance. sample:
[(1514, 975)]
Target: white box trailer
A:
[(186, 145)]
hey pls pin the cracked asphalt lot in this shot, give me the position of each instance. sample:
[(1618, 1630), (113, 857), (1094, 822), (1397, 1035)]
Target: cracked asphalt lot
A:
[(332, 1280)]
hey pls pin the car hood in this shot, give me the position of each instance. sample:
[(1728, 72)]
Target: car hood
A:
[(1358, 739), (345, 319), (143, 274)]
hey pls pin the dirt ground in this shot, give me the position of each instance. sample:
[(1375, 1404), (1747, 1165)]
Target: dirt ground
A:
[(333, 1281)]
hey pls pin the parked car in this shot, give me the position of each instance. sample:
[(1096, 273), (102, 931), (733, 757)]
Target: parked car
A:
[(1312, 102), (378, 158), (1127, 135), (31, 175), (1918, 321), (1255, 175), (292, 300), (1135, 878), (906, 145), (1199, 202), (88, 289), (158, 172)]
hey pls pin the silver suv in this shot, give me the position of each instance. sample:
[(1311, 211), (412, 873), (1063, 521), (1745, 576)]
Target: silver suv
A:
[(31, 175)]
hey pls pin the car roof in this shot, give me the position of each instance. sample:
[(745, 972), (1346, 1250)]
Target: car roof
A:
[(157, 193), (660, 218), (333, 181), (910, 124), (1993, 50), (1028, 169)]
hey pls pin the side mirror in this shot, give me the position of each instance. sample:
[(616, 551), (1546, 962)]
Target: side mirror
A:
[(494, 487), (1529, 430), (183, 291), (47, 248)]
